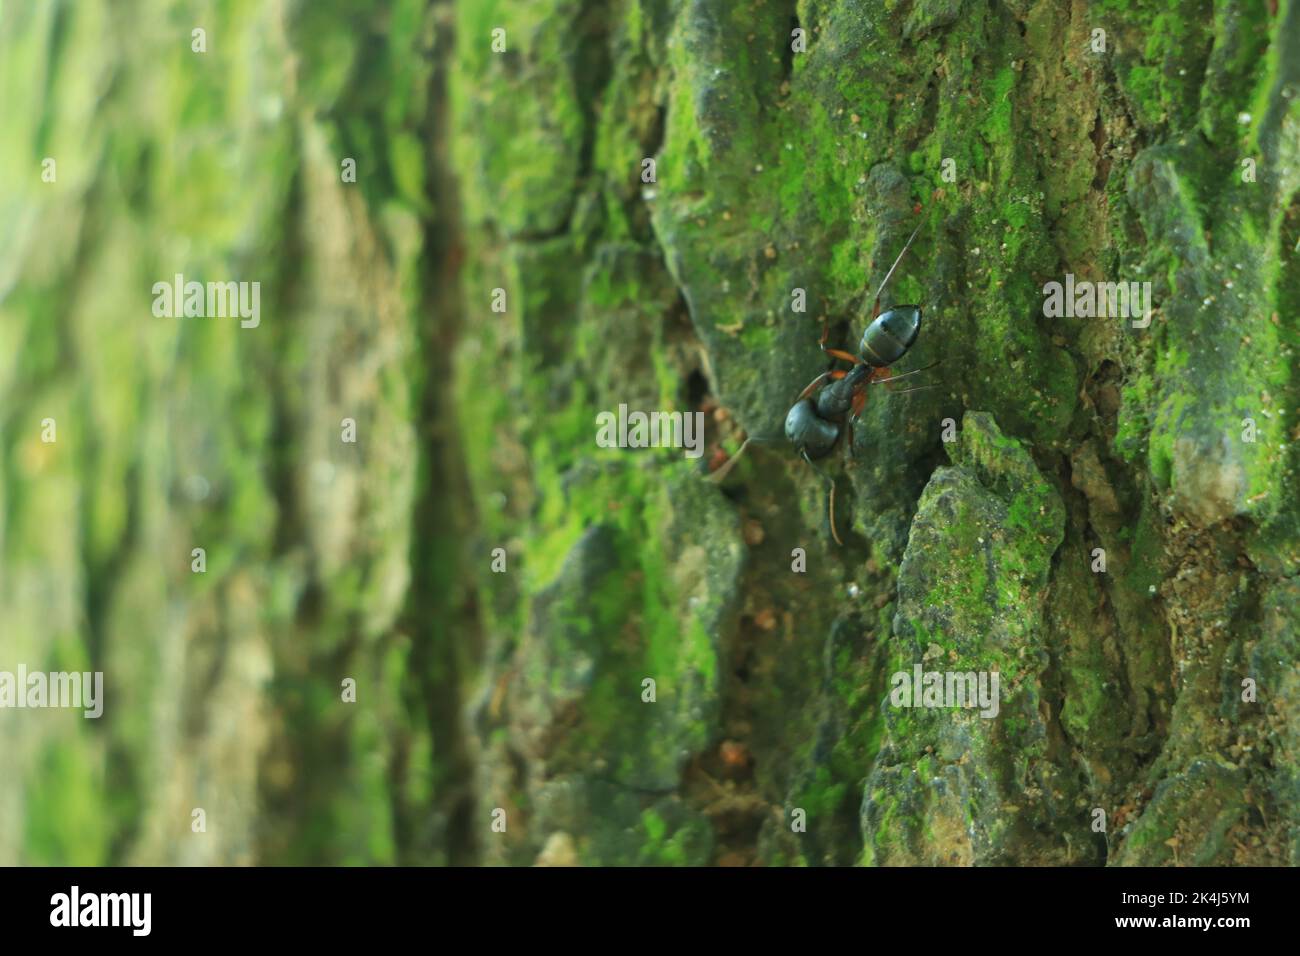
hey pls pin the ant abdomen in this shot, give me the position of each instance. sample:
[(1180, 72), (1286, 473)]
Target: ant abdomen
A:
[(890, 335)]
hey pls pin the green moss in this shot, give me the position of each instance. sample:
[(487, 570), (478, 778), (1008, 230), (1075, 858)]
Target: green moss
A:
[(1164, 433), (666, 845), (1089, 699), (66, 824), (1133, 421), (996, 126), (965, 585), (831, 794), (889, 838), (534, 114), (760, 338)]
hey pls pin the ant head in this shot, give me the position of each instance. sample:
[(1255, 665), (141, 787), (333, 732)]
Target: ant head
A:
[(810, 434)]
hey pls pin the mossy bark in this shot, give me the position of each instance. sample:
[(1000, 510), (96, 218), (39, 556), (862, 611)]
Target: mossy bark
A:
[(1025, 143)]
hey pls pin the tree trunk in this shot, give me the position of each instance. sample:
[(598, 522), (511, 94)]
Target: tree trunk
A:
[(599, 649)]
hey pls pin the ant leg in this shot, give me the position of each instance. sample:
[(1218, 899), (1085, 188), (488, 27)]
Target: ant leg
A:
[(831, 515), (834, 534), (835, 353), (813, 386), (875, 308), (724, 469), (859, 403), (816, 383), (843, 356)]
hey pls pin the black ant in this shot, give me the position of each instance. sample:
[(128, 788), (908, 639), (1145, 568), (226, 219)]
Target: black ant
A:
[(816, 421)]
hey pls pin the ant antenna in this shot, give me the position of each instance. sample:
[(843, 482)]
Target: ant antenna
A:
[(722, 472), (888, 275), (831, 505), (914, 388), (895, 378)]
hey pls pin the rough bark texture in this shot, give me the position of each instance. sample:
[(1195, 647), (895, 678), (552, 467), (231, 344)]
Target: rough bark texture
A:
[(776, 170)]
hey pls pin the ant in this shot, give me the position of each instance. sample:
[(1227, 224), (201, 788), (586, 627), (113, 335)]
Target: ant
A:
[(816, 421)]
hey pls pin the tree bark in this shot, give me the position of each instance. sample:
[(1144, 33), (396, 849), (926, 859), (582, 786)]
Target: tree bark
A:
[(1100, 510)]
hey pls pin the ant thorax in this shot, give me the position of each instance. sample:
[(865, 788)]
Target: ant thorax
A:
[(837, 397)]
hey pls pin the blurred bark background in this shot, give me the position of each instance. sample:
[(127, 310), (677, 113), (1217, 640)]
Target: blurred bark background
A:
[(1027, 144)]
